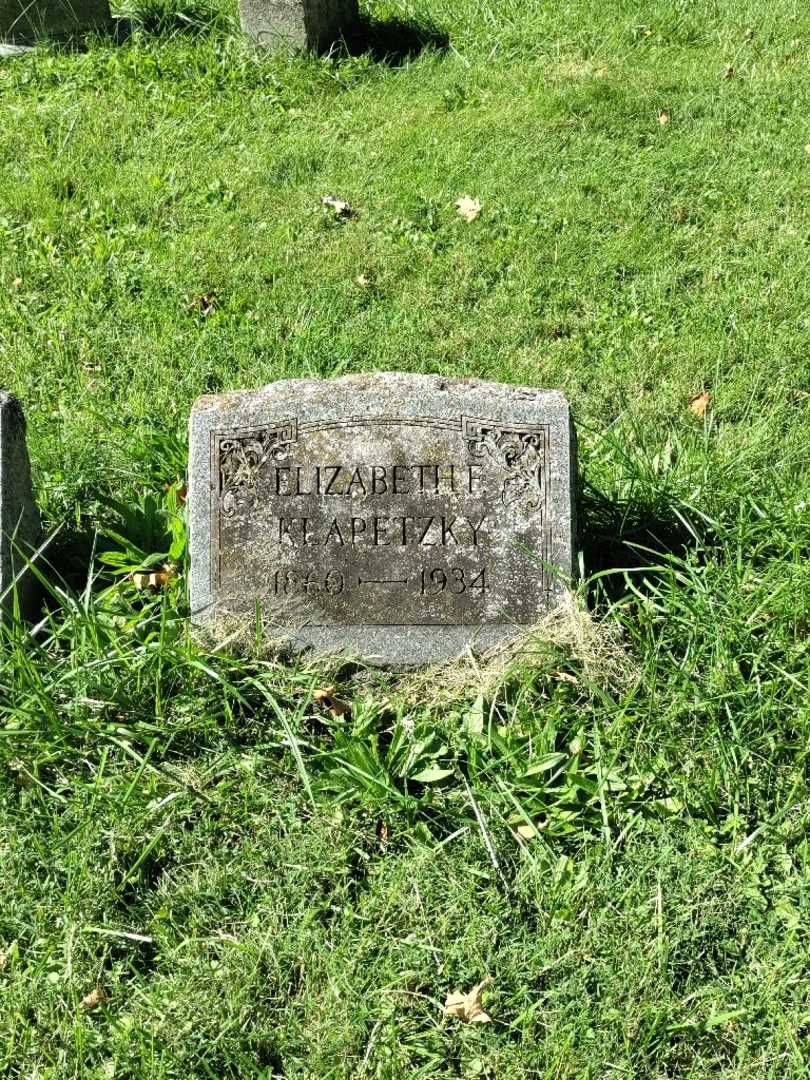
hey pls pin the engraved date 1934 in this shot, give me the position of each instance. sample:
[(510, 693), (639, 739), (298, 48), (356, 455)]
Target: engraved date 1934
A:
[(455, 579)]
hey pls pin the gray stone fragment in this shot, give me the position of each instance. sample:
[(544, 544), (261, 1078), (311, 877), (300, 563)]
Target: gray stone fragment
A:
[(19, 517), (9, 51), (24, 22), (399, 518), (304, 24)]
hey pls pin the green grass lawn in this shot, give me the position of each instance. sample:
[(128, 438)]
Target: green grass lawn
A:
[(613, 827)]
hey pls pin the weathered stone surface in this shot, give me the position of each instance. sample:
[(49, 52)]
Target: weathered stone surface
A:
[(23, 22), (19, 518), (395, 517), (306, 24)]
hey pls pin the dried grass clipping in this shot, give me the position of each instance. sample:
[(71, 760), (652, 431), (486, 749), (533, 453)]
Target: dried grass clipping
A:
[(596, 645)]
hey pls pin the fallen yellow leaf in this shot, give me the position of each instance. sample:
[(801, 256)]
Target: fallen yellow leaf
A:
[(468, 208), (468, 1006), (93, 999), (565, 676), (700, 403), (154, 579)]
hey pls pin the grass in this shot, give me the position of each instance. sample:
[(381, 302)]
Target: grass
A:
[(613, 825)]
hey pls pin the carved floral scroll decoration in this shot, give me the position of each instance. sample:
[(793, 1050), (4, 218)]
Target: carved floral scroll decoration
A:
[(241, 459), (521, 454)]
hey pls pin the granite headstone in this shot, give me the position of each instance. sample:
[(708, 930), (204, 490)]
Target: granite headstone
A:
[(399, 518), (306, 24), (19, 517)]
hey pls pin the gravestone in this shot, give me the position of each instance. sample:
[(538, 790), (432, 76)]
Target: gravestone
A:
[(399, 518), (24, 22), (305, 24), (19, 518)]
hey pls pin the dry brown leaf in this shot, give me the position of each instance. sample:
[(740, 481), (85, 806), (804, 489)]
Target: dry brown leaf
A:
[(325, 698), (180, 492), (663, 117), (468, 208), (340, 207), (205, 304), (94, 998), (729, 71), (154, 579), (565, 676), (22, 777), (468, 1006), (700, 403)]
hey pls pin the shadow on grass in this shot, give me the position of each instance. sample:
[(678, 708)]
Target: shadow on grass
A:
[(621, 538), (394, 41), (66, 562), (391, 42), (115, 32)]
